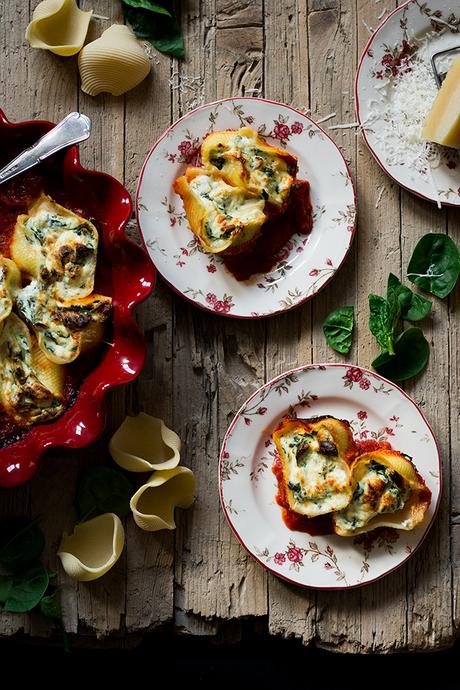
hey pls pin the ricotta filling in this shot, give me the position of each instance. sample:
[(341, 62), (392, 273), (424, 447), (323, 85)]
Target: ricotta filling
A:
[(317, 480), (229, 209), (267, 172), (67, 251), (380, 490)]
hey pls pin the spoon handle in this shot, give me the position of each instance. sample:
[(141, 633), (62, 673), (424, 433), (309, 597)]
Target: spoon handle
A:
[(71, 130)]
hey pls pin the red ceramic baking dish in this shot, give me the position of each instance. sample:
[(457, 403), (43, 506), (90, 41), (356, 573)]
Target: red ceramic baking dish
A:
[(124, 272)]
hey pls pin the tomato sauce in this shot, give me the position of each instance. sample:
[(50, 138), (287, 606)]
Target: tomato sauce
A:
[(269, 248), (16, 196), (322, 524)]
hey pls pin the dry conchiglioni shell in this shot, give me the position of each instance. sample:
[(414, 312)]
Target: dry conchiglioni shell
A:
[(144, 443), (59, 26), (93, 548), (153, 503), (114, 63)]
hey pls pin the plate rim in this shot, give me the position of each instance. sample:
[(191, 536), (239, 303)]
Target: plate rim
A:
[(203, 307), (304, 367), (358, 115)]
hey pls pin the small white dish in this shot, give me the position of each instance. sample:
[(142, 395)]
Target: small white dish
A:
[(377, 409), (415, 30), (309, 262)]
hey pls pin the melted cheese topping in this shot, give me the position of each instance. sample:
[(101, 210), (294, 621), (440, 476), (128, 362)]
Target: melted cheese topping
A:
[(317, 482), (59, 326), (265, 171), (228, 209), (57, 246), (380, 490)]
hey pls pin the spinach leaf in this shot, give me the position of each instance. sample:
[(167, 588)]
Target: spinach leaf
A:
[(411, 354), (21, 543), (338, 329), (50, 604), (103, 490), (160, 29), (435, 264), (383, 320), (413, 306), (27, 589), (149, 5), (6, 583)]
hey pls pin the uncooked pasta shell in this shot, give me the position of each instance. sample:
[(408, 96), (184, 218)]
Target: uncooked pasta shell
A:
[(59, 26), (93, 547), (153, 504), (144, 443), (114, 63)]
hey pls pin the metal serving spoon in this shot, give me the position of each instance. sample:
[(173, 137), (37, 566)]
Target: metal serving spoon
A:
[(71, 130)]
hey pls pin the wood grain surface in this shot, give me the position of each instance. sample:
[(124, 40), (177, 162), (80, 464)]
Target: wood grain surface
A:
[(201, 367)]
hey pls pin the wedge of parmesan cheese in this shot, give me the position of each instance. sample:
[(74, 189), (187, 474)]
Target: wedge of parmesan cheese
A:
[(443, 122)]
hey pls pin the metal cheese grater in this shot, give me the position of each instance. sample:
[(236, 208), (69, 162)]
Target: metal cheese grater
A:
[(438, 71)]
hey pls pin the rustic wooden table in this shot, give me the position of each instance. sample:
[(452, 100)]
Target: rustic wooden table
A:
[(200, 367)]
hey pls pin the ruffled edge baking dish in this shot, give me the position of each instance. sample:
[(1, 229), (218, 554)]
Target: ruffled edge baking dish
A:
[(120, 363)]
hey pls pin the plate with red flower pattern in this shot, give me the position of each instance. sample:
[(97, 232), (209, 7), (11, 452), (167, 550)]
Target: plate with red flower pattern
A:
[(304, 265), (378, 411), (395, 88)]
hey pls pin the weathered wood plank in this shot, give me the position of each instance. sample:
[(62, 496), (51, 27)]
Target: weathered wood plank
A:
[(429, 571), (238, 13), (214, 575), (383, 604), (332, 60), (291, 610)]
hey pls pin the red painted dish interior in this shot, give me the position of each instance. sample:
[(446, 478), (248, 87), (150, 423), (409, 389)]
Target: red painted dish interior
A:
[(124, 272), (322, 524), (273, 244)]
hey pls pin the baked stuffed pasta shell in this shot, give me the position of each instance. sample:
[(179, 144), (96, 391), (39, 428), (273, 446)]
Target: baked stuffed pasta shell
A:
[(387, 491), (64, 330), (316, 455), (244, 159), (31, 391), (58, 247), (225, 219)]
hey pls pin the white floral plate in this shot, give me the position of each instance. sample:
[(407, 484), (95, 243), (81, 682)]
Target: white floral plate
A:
[(308, 262), (377, 409), (396, 42)]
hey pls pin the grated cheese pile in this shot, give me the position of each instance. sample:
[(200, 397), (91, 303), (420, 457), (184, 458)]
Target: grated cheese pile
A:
[(408, 100)]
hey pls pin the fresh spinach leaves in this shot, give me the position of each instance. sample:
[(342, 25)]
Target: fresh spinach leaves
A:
[(414, 307), (102, 490), (24, 591), (411, 354), (21, 545), (435, 264), (383, 319), (338, 329), (156, 23), (406, 354)]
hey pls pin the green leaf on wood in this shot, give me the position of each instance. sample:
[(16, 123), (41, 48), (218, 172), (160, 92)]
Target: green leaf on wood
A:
[(435, 264), (411, 354), (338, 329), (103, 490)]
